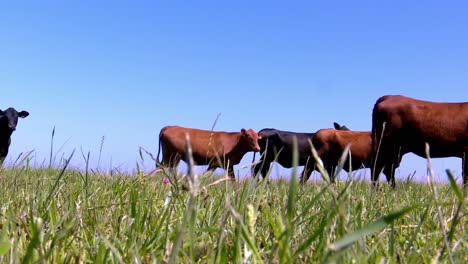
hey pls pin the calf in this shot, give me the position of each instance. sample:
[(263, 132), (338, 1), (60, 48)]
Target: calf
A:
[(277, 145), (402, 124), (8, 122), (213, 148)]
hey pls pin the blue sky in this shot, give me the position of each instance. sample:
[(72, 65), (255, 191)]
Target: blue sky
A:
[(122, 70)]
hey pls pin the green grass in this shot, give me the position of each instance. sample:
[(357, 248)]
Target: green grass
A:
[(61, 215)]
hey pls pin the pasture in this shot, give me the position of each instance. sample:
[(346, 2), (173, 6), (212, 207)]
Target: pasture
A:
[(57, 215)]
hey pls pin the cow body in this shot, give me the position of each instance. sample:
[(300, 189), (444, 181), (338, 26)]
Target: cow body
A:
[(213, 148), (277, 145), (8, 123), (409, 124), (330, 145)]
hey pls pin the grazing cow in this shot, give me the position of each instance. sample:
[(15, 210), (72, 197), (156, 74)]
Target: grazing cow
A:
[(213, 148), (277, 145), (401, 125), (8, 122), (330, 145)]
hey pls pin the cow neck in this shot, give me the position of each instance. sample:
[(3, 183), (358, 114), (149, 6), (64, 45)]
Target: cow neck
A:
[(4, 142), (5, 135), (241, 146)]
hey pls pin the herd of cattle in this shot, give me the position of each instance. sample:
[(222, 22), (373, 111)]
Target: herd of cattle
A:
[(400, 125)]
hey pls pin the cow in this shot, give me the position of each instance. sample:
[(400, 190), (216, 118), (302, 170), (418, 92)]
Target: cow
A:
[(277, 145), (330, 145), (212, 148), (402, 124), (8, 122)]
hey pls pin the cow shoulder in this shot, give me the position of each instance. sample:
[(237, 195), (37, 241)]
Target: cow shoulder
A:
[(267, 133), (324, 137)]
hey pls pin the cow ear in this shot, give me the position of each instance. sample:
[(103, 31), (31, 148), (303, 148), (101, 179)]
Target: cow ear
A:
[(260, 135), (244, 132), (23, 114)]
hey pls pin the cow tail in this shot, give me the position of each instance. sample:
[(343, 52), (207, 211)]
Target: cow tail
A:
[(158, 161), (376, 130), (374, 134)]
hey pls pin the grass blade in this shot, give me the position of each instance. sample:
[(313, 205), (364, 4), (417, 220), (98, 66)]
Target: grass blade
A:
[(46, 203), (454, 186), (378, 225)]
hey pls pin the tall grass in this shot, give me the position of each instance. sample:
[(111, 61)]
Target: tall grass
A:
[(57, 214), (50, 216)]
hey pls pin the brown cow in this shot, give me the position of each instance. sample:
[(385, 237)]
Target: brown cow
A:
[(331, 143), (213, 148), (409, 124)]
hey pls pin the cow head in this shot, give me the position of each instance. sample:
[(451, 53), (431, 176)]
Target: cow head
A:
[(260, 135), (340, 127), (9, 119), (251, 138)]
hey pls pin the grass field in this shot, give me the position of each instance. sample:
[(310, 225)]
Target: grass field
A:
[(61, 215)]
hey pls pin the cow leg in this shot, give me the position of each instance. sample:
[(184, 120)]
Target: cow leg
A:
[(212, 167), (394, 162), (380, 161), (465, 169), (264, 165), (387, 166), (265, 168), (376, 169), (330, 169), (389, 172), (3, 154), (261, 166), (230, 172), (375, 175), (256, 168), (305, 175), (170, 160)]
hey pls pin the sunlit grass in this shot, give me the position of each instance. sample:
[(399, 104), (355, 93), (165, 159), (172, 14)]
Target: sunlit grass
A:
[(61, 215), (56, 214)]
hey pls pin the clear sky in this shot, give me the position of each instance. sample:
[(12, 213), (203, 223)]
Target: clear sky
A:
[(122, 70)]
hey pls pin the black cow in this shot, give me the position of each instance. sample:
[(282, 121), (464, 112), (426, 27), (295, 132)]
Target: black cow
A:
[(8, 122), (277, 145)]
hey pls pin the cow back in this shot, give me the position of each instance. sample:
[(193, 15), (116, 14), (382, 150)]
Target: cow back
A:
[(412, 123)]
